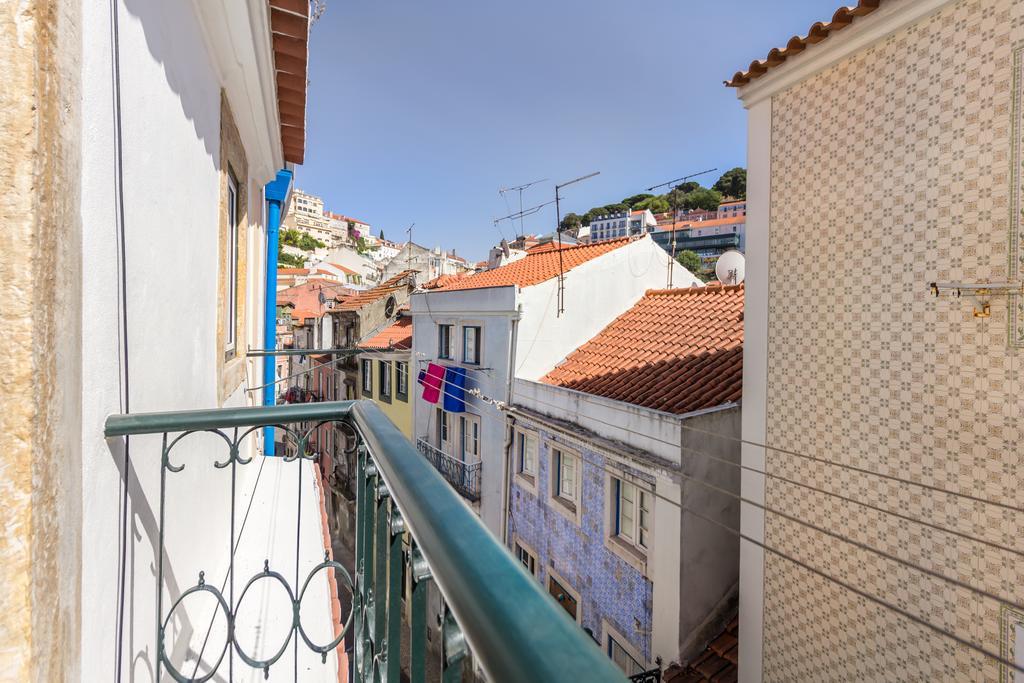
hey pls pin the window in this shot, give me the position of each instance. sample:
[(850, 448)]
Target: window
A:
[(565, 482), (469, 438), (444, 342), (567, 600), (526, 453), (471, 345), (402, 380), (231, 327), (368, 377), (442, 430), (632, 513), (623, 659), (384, 371), (528, 559)]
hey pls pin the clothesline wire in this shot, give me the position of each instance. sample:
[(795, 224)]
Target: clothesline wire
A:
[(859, 592)]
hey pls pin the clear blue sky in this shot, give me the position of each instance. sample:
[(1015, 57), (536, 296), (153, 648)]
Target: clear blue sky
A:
[(418, 111)]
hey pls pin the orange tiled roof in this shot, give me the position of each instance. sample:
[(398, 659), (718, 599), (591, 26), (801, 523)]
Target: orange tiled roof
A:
[(719, 662), (397, 336), (676, 350), (709, 223), (818, 32), (537, 266), (347, 271), (442, 281), (293, 271), (357, 301), (306, 297)]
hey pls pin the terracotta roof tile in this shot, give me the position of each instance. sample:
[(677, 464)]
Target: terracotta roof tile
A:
[(357, 301), (442, 281), (710, 665), (537, 266), (676, 350), (397, 336), (818, 32)]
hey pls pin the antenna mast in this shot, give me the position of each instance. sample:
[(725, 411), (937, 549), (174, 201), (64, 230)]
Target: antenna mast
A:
[(675, 212), (558, 231), (519, 189)]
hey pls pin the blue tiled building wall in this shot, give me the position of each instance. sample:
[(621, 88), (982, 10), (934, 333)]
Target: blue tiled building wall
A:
[(609, 587)]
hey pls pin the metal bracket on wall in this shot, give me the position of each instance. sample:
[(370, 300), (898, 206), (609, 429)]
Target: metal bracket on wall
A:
[(981, 293)]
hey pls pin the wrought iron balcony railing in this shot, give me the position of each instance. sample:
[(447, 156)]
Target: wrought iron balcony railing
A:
[(491, 609), (463, 476)]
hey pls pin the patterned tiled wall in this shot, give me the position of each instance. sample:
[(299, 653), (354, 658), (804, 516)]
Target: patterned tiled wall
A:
[(892, 169), (609, 587)]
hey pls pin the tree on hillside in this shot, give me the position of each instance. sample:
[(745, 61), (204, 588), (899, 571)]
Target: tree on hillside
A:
[(632, 202), (285, 260), (571, 221), (702, 198), (615, 208), (657, 204), (688, 186), (300, 240), (692, 262), (733, 183)]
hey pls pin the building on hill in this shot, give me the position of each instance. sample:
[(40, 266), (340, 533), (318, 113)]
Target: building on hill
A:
[(709, 239), (481, 331), (385, 365), (732, 209), (428, 263), (614, 226), (306, 214), (351, 228), (600, 467)]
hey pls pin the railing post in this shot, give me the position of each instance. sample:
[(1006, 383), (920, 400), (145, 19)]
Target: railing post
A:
[(380, 551), (420, 571), (454, 647), (394, 632)]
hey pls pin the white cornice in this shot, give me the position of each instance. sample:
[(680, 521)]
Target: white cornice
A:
[(238, 39), (862, 33)]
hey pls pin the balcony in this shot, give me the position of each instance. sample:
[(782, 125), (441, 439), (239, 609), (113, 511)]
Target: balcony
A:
[(464, 477), (491, 614)]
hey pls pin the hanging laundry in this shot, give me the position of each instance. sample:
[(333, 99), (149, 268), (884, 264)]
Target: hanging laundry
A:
[(432, 380), (455, 390)]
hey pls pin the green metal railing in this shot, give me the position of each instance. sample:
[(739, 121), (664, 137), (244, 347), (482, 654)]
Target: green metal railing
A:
[(491, 608)]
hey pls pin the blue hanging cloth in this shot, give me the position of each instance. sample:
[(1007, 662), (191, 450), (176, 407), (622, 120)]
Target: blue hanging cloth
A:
[(455, 390)]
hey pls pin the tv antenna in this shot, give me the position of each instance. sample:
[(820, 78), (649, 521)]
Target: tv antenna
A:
[(675, 213), (519, 189), (408, 258), (558, 231)]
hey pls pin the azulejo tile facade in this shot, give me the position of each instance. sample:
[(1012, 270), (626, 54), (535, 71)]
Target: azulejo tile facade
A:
[(892, 169), (609, 587)]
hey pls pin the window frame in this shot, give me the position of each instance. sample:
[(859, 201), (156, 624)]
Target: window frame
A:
[(520, 548), (478, 352), (367, 384), (629, 549), (524, 477), (610, 633), (555, 577), (466, 419), (570, 508), (444, 341), (384, 380), (231, 325), (402, 380)]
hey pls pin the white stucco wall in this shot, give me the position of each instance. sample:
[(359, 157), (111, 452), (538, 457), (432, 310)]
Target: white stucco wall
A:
[(171, 84)]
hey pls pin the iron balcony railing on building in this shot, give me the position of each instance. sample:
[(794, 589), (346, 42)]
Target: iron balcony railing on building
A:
[(491, 612), (463, 476)]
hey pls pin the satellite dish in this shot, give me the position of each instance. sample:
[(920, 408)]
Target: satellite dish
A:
[(730, 267)]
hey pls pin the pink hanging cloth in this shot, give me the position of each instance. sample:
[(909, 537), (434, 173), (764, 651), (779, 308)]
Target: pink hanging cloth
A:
[(432, 381)]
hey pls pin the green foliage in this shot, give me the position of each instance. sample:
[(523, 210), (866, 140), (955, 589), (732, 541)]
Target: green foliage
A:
[(690, 260), (657, 204), (364, 247), (636, 199), (300, 240), (289, 260), (571, 221), (688, 195), (702, 198), (733, 183)]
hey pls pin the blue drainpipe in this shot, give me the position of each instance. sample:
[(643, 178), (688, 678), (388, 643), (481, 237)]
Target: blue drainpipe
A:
[(275, 191)]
